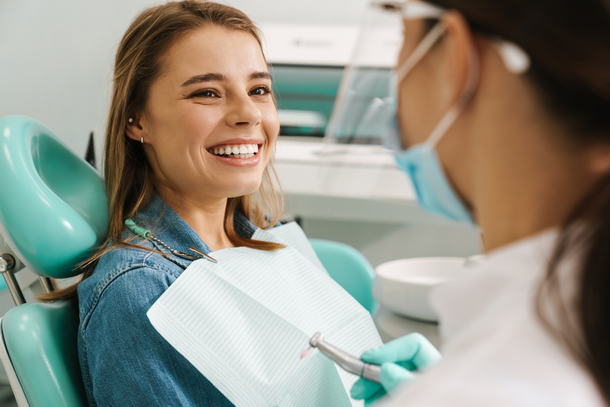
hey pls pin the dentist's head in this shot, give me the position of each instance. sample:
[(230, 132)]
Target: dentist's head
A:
[(504, 118), (512, 108), (192, 115)]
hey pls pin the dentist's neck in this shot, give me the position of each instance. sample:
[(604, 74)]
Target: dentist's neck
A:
[(520, 172), (529, 180), (205, 216)]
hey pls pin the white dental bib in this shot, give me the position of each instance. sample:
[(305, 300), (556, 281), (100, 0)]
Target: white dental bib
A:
[(244, 322)]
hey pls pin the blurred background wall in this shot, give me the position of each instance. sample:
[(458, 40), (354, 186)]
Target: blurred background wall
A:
[(56, 57)]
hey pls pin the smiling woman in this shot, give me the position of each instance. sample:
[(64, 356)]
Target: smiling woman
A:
[(212, 90), (189, 143)]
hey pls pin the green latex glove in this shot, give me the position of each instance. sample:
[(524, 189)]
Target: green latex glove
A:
[(398, 359)]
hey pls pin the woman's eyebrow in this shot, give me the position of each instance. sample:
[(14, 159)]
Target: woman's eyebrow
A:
[(211, 77), (208, 77), (261, 75)]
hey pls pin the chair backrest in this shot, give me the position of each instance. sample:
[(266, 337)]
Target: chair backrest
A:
[(348, 267), (40, 341), (53, 212)]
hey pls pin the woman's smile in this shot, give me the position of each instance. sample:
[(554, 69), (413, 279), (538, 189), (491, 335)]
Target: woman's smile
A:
[(239, 153)]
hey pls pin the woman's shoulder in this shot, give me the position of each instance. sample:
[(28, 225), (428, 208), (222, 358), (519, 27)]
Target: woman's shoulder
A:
[(124, 274)]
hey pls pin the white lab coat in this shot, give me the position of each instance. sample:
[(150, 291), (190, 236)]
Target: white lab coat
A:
[(496, 351)]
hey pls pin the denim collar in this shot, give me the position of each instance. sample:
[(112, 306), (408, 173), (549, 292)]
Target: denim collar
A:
[(167, 226)]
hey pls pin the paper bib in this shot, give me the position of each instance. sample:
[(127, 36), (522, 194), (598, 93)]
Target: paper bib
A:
[(244, 322)]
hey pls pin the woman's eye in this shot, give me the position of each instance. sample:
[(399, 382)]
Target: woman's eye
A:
[(206, 93), (260, 91)]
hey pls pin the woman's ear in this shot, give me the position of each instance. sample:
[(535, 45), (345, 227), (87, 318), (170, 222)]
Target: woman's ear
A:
[(460, 55), (135, 129)]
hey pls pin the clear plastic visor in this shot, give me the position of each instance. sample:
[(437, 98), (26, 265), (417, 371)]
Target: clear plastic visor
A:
[(365, 109)]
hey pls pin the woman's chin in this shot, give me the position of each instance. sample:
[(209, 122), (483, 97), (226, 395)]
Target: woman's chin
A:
[(234, 191)]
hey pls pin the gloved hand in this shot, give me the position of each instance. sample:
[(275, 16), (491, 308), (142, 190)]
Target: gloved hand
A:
[(398, 359)]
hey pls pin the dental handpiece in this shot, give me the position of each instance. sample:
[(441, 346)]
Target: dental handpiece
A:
[(346, 361)]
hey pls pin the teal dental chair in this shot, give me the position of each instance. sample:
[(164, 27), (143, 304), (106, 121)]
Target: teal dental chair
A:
[(348, 267), (53, 212)]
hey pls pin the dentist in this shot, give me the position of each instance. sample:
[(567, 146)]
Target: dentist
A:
[(502, 114)]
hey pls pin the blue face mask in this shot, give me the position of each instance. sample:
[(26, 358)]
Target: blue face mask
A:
[(434, 194), (420, 162)]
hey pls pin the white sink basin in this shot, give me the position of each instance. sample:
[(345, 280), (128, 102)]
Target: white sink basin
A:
[(403, 286)]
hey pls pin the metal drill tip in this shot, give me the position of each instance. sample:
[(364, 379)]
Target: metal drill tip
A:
[(315, 339)]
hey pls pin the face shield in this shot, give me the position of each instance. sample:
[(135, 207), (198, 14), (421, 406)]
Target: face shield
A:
[(354, 161), (365, 108)]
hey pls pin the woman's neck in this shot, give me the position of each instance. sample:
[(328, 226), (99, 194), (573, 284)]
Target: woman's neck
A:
[(205, 216)]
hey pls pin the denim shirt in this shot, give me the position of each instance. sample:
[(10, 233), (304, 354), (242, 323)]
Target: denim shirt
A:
[(124, 361)]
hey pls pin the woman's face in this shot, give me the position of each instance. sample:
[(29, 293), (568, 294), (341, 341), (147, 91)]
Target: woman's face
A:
[(210, 122)]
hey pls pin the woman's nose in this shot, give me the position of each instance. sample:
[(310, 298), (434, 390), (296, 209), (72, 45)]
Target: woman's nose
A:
[(243, 112)]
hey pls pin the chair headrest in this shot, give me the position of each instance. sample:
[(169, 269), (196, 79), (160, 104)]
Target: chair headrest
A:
[(53, 206)]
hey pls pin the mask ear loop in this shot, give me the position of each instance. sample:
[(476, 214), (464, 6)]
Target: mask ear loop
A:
[(452, 114), (418, 10), (471, 81), (420, 51)]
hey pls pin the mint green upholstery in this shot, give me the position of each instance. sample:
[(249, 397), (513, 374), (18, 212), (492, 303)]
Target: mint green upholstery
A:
[(53, 213), (53, 205), (41, 342), (348, 267)]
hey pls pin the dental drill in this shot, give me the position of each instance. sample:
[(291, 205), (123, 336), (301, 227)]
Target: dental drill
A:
[(346, 361)]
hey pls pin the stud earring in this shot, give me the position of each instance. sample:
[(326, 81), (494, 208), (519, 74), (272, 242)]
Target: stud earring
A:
[(130, 120), (142, 139)]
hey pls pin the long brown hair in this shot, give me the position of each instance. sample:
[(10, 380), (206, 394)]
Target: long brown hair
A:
[(569, 45), (128, 176)]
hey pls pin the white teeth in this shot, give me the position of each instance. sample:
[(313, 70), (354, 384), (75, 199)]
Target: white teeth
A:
[(239, 150)]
